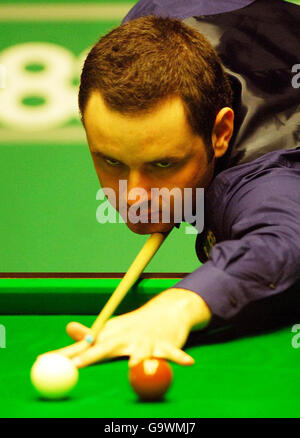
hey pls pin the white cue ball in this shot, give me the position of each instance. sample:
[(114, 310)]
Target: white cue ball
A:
[(53, 376)]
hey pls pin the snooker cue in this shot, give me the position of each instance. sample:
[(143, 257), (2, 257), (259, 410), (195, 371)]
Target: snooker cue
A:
[(140, 262), (138, 265)]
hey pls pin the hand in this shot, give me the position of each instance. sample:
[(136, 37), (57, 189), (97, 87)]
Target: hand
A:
[(157, 329)]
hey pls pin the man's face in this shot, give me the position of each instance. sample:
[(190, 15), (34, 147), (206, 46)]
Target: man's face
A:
[(157, 150)]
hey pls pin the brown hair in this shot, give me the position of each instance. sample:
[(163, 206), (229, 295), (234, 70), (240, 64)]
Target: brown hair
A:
[(140, 64)]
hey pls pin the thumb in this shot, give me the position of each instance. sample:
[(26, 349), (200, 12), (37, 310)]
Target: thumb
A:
[(77, 331)]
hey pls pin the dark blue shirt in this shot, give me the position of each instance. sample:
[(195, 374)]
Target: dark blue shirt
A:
[(252, 207), (253, 210), (183, 9)]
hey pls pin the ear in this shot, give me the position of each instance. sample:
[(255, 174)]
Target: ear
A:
[(222, 131)]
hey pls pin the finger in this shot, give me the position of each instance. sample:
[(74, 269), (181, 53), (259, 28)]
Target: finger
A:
[(77, 331), (141, 350), (71, 350), (174, 354), (96, 353)]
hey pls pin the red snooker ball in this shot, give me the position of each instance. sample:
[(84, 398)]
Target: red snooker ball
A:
[(151, 378)]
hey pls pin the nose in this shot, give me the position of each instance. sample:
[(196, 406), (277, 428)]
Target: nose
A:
[(138, 187)]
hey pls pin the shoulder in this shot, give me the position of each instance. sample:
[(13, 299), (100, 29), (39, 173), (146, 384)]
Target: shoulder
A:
[(270, 183), (276, 162), (182, 10)]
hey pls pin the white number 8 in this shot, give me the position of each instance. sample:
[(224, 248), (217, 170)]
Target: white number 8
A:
[(53, 83)]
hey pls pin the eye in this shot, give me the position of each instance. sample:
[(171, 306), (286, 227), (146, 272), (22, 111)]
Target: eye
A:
[(163, 164), (112, 162)]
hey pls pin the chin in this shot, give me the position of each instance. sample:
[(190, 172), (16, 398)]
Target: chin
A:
[(141, 228)]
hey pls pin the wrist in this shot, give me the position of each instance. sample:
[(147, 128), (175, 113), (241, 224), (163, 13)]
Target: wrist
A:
[(193, 306)]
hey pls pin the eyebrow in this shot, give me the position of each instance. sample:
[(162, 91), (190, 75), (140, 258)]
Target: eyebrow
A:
[(171, 157)]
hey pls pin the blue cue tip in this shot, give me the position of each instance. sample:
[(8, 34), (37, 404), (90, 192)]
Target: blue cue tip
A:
[(90, 339)]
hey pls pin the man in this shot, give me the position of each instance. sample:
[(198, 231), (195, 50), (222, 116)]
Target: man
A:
[(158, 111)]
